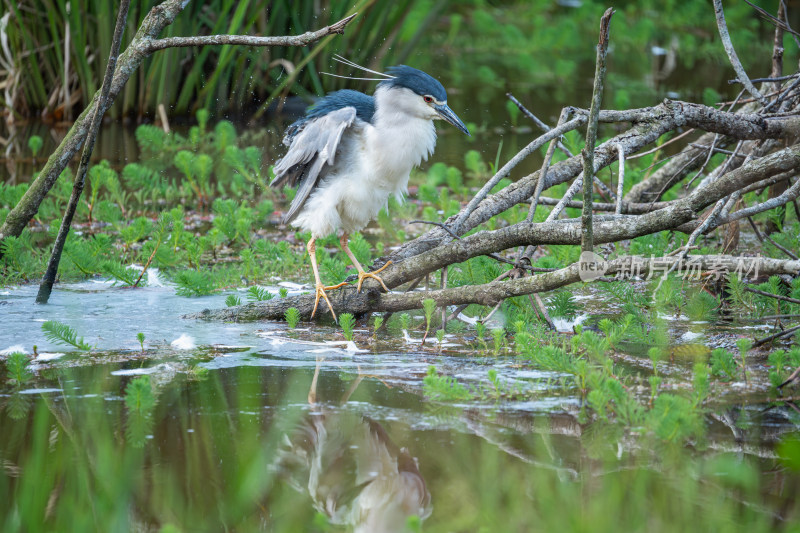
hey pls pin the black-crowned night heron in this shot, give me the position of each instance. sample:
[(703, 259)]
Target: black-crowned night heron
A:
[(351, 152)]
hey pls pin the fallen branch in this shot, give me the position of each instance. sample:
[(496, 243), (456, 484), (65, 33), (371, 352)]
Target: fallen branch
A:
[(488, 294), (784, 333)]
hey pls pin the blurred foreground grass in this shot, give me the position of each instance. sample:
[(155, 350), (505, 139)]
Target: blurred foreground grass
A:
[(207, 451)]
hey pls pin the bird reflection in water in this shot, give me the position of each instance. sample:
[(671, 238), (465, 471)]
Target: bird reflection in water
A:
[(351, 469)]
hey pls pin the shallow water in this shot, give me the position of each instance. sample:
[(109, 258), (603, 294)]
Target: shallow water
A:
[(367, 453)]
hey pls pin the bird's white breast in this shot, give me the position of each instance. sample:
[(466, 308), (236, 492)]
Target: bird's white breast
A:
[(373, 162)]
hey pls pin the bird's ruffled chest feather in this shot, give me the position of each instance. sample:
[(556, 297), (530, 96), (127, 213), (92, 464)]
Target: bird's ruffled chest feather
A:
[(394, 150)]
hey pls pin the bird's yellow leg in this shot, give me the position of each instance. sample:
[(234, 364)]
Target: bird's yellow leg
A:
[(361, 273), (320, 288)]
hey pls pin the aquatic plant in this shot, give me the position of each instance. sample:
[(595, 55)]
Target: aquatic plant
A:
[(194, 283), (655, 354), (700, 383), (18, 368), (499, 337), (333, 268), (258, 294), (246, 162), (498, 389), (140, 401), (292, 317), (139, 395), (701, 306), (35, 144), (120, 273), (232, 300), (232, 219), (140, 338), (18, 256), (675, 419), (563, 305), (444, 388), (429, 307), (160, 235), (64, 334), (778, 360), (347, 322), (480, 334), (405, 321), (99, 176), (723, 364)]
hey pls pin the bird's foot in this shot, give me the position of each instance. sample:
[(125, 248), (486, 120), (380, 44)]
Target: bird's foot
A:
[(374, 275), (320, 292)]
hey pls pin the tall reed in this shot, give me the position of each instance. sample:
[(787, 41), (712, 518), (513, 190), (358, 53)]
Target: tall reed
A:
[(58, 46)]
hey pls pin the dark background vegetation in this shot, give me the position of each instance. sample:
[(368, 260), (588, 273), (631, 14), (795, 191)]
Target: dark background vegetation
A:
[(540, 49)]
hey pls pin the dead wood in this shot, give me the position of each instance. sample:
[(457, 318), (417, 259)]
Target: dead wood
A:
[(491, 293)]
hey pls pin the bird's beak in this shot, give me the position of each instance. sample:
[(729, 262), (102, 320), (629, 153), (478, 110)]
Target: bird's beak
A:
[(447, 114)]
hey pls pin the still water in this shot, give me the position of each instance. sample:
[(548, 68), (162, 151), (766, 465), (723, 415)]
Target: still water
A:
[(255, 427)]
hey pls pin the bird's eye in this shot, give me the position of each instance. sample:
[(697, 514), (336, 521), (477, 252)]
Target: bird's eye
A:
[(428, 99)]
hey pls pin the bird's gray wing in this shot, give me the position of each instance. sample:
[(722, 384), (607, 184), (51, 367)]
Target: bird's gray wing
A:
[(310, 151)]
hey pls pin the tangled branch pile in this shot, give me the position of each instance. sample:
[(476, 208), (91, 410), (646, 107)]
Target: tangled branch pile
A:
[(757, 138)]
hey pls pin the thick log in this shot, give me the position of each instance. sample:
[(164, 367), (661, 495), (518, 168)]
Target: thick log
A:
[(348, 299)]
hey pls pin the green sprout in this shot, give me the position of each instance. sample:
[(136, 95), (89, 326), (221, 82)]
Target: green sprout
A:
[(444, 388), (744, 346), (480, 333), (429, 306), (498, 334), (292, 316), (347, 321), (258, 294), (139, 395), (35, 143), (232, 300), (140, 337), (140, 400), (18, 368)]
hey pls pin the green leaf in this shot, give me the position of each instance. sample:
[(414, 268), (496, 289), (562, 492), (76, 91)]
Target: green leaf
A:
[(63, 334)]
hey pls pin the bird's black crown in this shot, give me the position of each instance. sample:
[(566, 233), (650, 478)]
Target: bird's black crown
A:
[(416, 80)]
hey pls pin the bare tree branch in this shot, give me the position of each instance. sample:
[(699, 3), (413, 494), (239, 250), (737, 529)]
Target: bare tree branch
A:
[(49, 278), (248, 40), (722, 26), (517, 159), (650, 124), (587, 241)]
